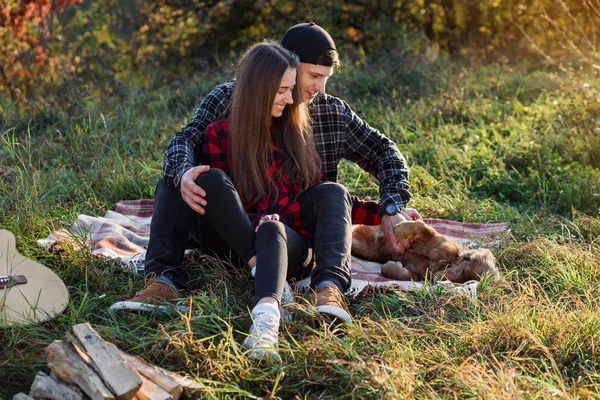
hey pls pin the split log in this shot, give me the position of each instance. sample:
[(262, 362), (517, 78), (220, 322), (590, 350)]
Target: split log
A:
[(191, 389), (151, 391), (68, 366), (153, 373), (44, 387), (122, 379)]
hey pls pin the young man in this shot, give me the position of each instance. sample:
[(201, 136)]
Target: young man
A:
[(338, 133)]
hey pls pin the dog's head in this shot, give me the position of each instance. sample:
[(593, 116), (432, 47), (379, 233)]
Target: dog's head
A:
[(471, 265)]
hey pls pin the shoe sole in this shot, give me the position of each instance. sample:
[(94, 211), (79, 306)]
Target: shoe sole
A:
[(261, 354), (135, 306), (339, 313)]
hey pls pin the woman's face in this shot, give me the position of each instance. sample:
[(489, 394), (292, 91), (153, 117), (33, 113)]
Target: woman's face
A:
[(284, 92)]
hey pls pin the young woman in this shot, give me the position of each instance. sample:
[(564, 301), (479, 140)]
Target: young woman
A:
[(263, 162)]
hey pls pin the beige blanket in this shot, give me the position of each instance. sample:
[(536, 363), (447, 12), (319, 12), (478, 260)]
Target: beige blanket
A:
[(123, 234)]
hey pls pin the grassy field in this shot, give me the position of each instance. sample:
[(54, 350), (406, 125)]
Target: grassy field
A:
[(485, 142)]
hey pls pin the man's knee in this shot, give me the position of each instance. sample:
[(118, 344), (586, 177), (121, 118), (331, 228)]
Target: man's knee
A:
[(165, 194), (334, 191), (338, 188)]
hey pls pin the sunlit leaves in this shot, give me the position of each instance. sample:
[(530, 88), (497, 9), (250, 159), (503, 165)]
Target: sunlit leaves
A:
[(27, 35)]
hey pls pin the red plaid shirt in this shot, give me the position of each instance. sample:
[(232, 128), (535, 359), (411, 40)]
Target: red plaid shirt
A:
[(215, 152)]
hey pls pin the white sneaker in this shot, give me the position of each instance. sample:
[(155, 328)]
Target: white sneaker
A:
[(287, 299), (262, 340)]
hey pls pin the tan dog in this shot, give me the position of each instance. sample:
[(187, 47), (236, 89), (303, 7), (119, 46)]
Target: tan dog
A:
[(430, 255)]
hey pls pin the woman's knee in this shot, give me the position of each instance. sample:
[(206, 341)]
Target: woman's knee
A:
[(270, 229), (212, 178)]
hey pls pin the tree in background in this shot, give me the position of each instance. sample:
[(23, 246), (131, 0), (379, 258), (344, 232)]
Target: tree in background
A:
[(27, 32), (49, 47)]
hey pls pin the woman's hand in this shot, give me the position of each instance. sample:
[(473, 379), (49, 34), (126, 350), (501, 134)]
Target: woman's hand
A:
[(265, 218)]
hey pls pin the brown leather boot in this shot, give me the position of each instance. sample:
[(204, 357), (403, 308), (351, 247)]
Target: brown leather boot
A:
[(156, 292), (332, 302)]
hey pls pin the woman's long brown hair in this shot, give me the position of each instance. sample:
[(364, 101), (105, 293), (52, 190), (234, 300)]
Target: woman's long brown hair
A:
[(258, 78)]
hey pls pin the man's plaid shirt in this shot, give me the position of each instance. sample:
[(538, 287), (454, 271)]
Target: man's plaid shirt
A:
[(338, 132)]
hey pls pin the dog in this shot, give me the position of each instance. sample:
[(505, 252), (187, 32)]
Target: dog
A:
[(430, 255)]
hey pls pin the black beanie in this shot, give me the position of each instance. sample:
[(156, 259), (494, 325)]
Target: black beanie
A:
[(308, 40)]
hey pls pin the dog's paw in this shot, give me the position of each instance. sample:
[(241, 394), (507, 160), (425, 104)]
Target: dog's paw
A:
[(395, 270), (392, 264)]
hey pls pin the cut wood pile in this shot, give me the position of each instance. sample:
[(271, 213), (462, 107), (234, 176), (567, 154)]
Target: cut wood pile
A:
[(86, 367)]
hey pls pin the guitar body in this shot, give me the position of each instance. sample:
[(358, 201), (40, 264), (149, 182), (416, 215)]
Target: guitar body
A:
[(40, 298)]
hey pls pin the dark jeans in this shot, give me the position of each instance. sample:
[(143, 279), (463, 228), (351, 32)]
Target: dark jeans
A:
[(225, 228), (327, 211)]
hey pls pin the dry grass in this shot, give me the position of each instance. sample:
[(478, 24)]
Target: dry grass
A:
[(506, 157)]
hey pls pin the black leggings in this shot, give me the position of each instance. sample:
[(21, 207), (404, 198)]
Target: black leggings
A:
[(281, 253)]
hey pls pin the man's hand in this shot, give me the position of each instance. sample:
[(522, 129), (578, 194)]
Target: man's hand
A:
[(388, 222), (193, 194)]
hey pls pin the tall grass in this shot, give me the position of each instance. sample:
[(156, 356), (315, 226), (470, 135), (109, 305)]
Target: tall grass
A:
[(484, 142)]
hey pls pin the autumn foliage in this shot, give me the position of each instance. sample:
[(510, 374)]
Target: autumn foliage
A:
[(48, 47), (16, 14), (27, 35)]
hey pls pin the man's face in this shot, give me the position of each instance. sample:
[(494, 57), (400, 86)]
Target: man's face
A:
[(312, 79)]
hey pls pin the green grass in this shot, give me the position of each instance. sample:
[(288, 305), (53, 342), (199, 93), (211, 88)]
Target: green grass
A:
[(485, 143)]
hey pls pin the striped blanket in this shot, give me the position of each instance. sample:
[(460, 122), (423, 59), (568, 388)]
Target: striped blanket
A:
[(124, 233)]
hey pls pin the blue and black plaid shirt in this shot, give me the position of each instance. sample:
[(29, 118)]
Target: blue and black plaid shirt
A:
[(339, 134)]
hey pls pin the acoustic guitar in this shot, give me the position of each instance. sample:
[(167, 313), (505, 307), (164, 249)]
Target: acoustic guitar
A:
[(29, 291)]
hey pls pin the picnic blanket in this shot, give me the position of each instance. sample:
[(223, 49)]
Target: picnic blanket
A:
[(123, 234)]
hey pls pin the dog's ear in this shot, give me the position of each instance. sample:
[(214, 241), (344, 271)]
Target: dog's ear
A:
[(477, 263), (486, 264), (455, 272)]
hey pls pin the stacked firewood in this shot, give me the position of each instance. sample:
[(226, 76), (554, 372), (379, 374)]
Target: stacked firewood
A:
[(85, 366)]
